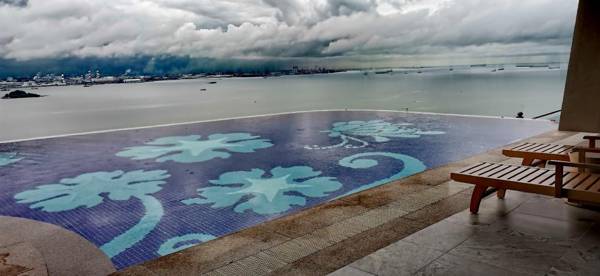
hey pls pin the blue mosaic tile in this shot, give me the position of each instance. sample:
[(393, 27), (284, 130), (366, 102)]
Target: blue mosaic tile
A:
[(139, 194)]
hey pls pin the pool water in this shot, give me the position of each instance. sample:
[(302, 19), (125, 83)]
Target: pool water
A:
[(142, 193)]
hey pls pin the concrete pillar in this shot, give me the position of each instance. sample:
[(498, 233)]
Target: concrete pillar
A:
[(581, 102)]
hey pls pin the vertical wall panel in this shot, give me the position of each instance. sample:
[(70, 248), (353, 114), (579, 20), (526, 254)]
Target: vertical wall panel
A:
[(581, 103)]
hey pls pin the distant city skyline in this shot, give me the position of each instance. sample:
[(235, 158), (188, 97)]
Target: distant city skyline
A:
[(180, 36)]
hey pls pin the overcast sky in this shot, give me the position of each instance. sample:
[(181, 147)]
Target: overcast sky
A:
[(284, 29)]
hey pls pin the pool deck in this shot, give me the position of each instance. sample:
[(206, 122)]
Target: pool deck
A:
[(414, 225), (522, 235), (33, 248)]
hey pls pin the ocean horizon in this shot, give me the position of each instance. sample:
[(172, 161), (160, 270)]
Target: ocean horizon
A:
[(468, 90)]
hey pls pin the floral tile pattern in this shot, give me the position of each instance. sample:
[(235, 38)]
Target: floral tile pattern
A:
[(86, 191), (380, 131), (192, 149), (7, 158), (142, 194), (268, 195)]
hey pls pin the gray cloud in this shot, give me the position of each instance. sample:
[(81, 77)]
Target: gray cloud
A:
[(276, 29), (18, 3)]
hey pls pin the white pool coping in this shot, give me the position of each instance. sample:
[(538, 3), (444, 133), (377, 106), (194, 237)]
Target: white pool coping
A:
[(258, 116)]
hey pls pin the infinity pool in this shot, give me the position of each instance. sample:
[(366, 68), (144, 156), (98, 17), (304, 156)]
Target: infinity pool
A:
[(141, 193)]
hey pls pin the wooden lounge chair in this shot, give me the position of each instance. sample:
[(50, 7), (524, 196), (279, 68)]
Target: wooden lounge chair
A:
[(579, 186), (530, 152)]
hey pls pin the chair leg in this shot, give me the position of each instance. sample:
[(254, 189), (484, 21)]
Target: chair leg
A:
[(501, 193), (527, 161), (476, 197)]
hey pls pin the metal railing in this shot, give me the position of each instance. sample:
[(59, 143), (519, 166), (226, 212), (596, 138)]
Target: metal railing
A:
[(547, 114)]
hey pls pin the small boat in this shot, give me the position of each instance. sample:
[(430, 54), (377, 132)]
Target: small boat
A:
[(383, 72), (534, 65), (212, 82)]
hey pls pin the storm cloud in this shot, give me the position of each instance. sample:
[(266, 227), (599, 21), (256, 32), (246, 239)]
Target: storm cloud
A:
[(282, 29)]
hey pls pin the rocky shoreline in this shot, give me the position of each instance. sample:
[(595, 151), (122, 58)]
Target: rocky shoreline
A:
[(20, 94)]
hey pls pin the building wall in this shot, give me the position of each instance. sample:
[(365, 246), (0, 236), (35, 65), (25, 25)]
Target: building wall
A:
[(581, 103)]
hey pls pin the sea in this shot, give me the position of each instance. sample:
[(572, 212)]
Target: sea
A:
[(488, 90)]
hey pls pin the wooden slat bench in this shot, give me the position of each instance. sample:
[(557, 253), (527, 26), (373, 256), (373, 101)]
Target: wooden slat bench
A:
[(530, 152), (577, 186)]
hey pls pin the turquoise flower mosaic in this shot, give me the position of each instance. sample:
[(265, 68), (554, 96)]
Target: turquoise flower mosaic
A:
[(192, 149), (179, 243), (364, 161), (277, 193), (352, 133), (91, 189), (7, 158)]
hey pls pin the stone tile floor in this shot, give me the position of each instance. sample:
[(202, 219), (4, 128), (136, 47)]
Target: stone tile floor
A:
[(522, 235), (32, 248)]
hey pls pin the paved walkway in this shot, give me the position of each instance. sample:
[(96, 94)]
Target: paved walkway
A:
[(33, 248), (522, 235)]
